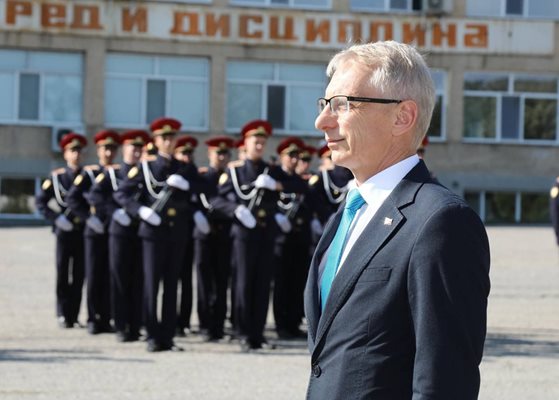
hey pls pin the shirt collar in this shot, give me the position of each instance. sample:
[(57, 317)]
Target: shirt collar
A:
[(386, 180)]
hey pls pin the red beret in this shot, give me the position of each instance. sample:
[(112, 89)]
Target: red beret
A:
[(72, 140), (186, 143), (136, 137), (257, 127), (324, 151), (307, 152), (107, 137), (165, 126), (240, 143), (222, 142), (289, 145)]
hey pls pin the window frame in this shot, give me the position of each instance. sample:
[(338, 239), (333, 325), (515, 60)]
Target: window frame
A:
[(503, 12), (168, 79), (290, 5), (510, 92), (37, 187), (42, 74), (387, 9), (443, 93), (264, 95)]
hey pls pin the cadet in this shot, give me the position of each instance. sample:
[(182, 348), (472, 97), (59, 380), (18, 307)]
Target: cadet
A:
[(184, 152), (330, 184), (95, 233), (125, 252), (303, 168), (157, 192), (212, 244), (68, 229), (249, 192), (292, 246)]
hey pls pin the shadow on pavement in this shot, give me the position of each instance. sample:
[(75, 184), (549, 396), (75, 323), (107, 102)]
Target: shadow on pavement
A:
[(59, 356), (543, 343)]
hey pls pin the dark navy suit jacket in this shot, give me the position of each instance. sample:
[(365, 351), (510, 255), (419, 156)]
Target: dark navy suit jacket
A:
[(406, 314)]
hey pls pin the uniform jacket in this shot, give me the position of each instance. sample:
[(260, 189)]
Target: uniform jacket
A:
[(56, 187), (406, 314), (101, 198), (148, 178), (78, 195)]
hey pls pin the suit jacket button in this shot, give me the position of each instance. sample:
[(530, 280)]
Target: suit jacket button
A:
[(316, 371)]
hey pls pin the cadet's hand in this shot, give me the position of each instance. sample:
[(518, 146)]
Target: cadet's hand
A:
[(95, 224), (178, 182), (316, 227), (283, 222), (121, 217), (244, 215), (63, 224), (265, 182), (150, 216), (201, 222)]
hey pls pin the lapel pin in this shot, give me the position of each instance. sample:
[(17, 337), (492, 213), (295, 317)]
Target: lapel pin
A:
[(387, 221)]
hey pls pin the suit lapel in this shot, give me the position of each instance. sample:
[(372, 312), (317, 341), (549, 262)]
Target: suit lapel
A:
[(382, 228)]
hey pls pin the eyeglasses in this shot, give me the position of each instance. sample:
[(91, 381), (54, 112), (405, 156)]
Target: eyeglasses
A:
[(340, 104)]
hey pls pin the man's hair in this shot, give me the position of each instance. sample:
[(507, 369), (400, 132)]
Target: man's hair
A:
[(399, 72)]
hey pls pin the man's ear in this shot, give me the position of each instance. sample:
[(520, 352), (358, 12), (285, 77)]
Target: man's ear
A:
[(406, 117)]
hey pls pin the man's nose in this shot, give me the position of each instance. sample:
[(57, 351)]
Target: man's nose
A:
[(326, 120)]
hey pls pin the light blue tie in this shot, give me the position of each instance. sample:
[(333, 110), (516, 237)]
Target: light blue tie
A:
[(354, 201)]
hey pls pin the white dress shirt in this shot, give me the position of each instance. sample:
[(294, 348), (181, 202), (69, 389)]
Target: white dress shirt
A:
[(374, 191)]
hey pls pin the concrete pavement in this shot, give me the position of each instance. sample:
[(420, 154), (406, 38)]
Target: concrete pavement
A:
[(40, 361)]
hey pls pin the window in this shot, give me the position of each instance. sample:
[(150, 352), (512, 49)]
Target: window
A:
[(513, 8), (17, 196), (438, 121), (40, 87), (139, 89), (510, 108), (500, 207), (386, 5), (313, 4), (284, 94)]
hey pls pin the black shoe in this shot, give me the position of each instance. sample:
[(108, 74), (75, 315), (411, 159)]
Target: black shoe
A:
[(153, 346), (284, 334), (64, 323), (212, 338), (181, 332), (171, 347), (93, 328)]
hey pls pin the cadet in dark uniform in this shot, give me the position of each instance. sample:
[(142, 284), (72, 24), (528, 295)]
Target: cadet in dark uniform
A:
[(125, 251), (95, 235), (212, 244), (249, 192), (303, 168), (184, 152), (157, 192), (68, 229), (292, 246)]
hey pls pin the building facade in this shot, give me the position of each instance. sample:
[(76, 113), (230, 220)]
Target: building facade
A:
[(87, 65)]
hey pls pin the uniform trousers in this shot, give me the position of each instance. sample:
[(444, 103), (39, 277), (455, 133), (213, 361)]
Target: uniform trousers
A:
[(254, 258), (98, 279), (162, 261), (213, 265), (125, 255), (185, 278), (69, 274)]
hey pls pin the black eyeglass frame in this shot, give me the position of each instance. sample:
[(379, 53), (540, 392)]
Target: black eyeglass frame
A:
[(354, 98)]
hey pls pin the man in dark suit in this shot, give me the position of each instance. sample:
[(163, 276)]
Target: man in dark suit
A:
[(397, 292)]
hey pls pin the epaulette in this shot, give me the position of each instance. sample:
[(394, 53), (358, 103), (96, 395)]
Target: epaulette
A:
[(223, 178), (58, 171), (99, 178), (92, 167), (133, 172), (236, 163), (554, 192), (203, 170), (313, 180)]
